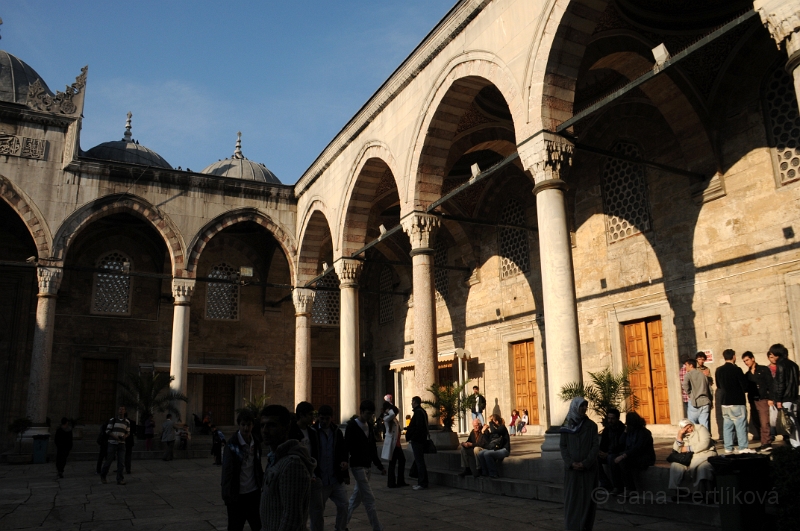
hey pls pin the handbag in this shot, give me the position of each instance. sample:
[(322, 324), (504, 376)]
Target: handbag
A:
[(682, 458), (429, 448)]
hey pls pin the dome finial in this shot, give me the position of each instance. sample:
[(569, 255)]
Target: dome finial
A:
[(237, 153), (128, 128)]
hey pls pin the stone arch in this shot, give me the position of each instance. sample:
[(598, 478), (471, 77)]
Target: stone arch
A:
[(466, 75), (315, 227), (29, 214), (215, 226), (128, 204), (374, 169)]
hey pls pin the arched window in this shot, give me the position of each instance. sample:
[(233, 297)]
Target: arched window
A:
[(326, 302), (625, 195), (440, 279), (386, 298), (513, 243), (111, 290), (783, 126), (222, 298)]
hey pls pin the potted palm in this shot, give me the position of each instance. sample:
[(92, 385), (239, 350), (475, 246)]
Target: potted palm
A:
[(608, 390), (448, 401), (149, 393)]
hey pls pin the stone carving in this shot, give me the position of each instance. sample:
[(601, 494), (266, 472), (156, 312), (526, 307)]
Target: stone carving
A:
[(182, 290), (49, 280), (782, 20), (303, 299), (547, 156), (20, 146), (420, 229), (62, 102), (386, 183), (348, 271)]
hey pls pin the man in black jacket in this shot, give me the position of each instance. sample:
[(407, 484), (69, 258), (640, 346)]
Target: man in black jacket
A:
[(242, 476), (360, 438), (759, 392), (480, 405), (787, 380), (733, 385), (417, 435), (330, 474), (612, 443)]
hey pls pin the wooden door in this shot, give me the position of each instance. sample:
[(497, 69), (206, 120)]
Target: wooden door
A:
[(447, 374), (325, 388), (658, 371), (525, 380), (98, 390), (638, 355), (219, 397)]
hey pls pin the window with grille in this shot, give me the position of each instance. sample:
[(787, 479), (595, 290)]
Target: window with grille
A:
[(112, 287), (514, 254), (326, 302), (625, 195), (386, 301), (783, 125), (222, 298), (440, 279)]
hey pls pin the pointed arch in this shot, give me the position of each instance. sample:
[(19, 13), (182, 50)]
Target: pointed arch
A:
[(30, 215), (316, 226)]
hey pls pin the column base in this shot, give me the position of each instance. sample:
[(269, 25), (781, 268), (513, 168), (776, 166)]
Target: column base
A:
[(551, 447)]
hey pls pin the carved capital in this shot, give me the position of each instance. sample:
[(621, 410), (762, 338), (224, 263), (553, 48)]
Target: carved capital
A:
[(49, 280), (348, 271), (782, 20), (421, 228), (547, 156), (303, 299), (182, 290)]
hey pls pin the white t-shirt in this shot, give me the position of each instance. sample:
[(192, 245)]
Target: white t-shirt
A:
[(247, 477), (364, 426)]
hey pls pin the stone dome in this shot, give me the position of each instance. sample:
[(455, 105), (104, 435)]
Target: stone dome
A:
[(15, 78), (239, 167), (127, 150)]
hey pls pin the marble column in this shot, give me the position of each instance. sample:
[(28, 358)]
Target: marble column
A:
[(303, 304), (182, 290), (348, 271), (41, 357), (548, 158), (782, 20), (421, 229)]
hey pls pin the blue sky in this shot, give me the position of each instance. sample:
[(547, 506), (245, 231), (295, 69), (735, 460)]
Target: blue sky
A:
[(289, 75)]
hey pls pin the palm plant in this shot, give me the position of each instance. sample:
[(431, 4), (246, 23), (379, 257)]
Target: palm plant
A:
[(149, 393), (608, 390), (449, 401), (255, 405)]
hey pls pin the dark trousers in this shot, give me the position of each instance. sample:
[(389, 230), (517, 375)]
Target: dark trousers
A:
[(118, 451), (759, 421), (128, 453), (168, 446), (245, 508), (399, 459), (623, 474), (61, 459), (101, 457), (418, 448)]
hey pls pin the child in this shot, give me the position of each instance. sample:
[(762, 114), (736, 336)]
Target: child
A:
[(512, 424), (522, 422)]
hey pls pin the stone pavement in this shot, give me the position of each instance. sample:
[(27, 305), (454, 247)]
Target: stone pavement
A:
[(184, 494)]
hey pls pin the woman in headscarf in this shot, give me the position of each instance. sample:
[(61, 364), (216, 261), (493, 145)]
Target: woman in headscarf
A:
[(579, 446), (697, 439)]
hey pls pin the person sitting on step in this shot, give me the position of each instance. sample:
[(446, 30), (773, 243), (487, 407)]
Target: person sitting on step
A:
[(498, 448), (469, 450)]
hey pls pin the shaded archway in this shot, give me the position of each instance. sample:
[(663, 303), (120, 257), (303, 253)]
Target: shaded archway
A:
[(20, 203)]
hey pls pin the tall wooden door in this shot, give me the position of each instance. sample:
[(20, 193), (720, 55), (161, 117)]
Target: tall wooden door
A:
[(525, 379), (98, 390), (644, 345), (325, 388), (219, 397)]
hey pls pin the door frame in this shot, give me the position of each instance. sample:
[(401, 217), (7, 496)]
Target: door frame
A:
[(662, 310), (530, 333)]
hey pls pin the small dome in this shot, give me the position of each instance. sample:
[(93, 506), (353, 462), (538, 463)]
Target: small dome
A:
[(15, 78), (238, 167), (128, 151)]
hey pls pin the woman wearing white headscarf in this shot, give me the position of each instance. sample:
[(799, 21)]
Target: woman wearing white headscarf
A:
[(697, 439), (579, 446)]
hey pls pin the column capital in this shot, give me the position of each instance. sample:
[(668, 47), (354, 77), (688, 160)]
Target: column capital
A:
[(348, 270), (49, 280), (547, 156), (782, 20), (182, 290), (421, 228), (303, 299)]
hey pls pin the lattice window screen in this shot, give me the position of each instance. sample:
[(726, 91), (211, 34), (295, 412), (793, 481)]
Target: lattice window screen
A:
[(326, 302), (386, 300), (440, 278), (112, 290), (222, 298), (625, 195), (783, 125), (514, 253)]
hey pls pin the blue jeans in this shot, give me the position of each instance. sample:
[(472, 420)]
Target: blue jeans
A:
[(478, 416), (118, 451), (734, 418), (489, 460), (699, 415), (363, 493)]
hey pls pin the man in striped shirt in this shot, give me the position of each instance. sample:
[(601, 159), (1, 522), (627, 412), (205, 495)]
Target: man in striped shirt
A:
[(117, 430)]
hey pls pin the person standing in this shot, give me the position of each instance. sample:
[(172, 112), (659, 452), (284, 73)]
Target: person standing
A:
[(63, 445), (787, 380), (733, 384), (168, 437), (417, 435), (129, 442), (331, 473), (480, 405), (773, 411), (695, 384), (117, 430), (303, 431), (759, 392), (360, 439), (242, 476), (579, 446), (149, 431), (286, 496), (392, 451)]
